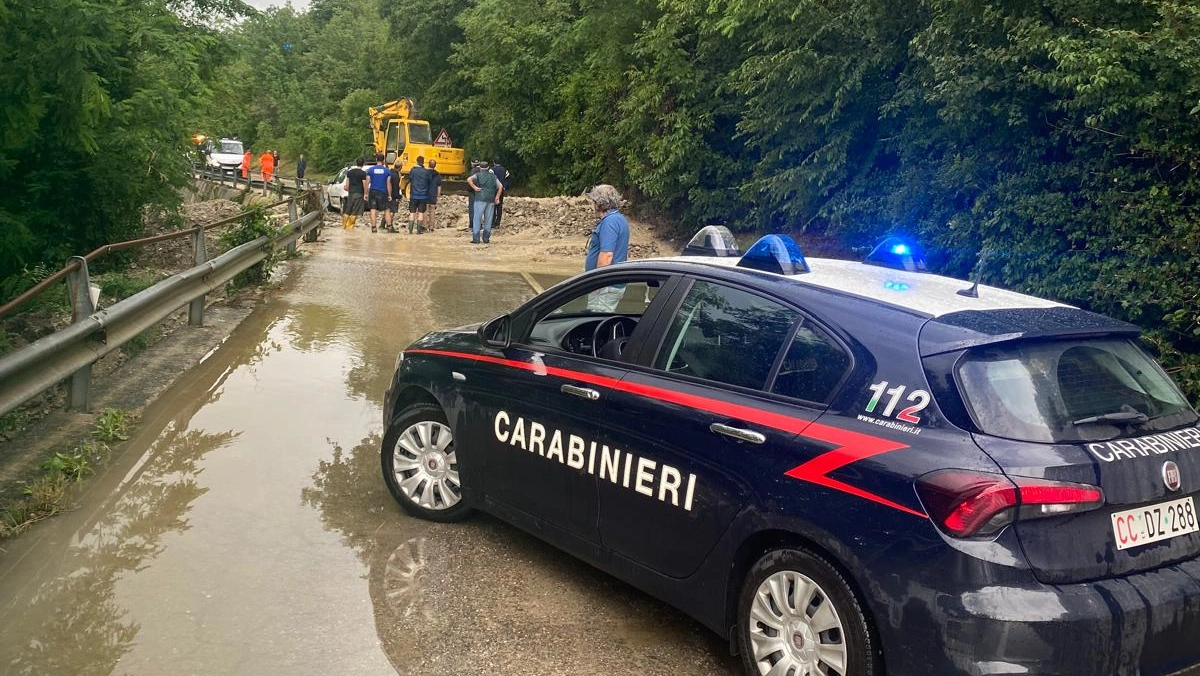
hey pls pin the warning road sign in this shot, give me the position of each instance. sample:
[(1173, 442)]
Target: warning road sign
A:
[(443, 140)]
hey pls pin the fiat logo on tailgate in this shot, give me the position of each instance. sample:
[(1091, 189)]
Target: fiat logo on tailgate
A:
[(1171, 475)]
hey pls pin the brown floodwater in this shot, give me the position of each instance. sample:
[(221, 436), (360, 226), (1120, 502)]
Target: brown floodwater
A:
[(246, 529)]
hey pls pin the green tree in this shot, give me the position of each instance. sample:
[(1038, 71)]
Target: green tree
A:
[(95, 101)]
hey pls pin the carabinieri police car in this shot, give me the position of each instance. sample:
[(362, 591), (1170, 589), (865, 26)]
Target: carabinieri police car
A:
[(846, 468)]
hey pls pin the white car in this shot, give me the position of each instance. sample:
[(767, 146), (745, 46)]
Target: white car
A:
[(224, 155), (335, 193)]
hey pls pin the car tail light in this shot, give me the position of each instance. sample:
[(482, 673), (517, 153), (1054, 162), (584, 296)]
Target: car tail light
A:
[(966, 503)]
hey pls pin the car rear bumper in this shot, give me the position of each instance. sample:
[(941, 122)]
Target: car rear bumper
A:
[(1147, 624)]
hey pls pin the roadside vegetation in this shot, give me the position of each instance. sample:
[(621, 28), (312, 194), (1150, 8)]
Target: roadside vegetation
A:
[(48, 493), (1061, 137)]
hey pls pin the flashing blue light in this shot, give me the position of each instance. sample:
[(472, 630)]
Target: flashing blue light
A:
[(775, 253), (897, 254), (895, 286)]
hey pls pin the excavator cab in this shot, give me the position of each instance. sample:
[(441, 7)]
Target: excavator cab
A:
[(400, 134)]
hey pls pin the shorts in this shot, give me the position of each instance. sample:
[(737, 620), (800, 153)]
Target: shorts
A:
[(416, 206), (353, 206), (394, 206), (377, 201)]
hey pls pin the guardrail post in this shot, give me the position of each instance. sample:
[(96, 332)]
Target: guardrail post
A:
[(291, 247), (196, 308), (82, 307)]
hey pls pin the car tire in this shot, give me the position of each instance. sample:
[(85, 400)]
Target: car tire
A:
[(420, 464), (798, 609)]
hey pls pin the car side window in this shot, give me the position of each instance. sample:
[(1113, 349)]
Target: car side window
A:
[(627, 298), (725, 335), (813, 366), (598, 320)]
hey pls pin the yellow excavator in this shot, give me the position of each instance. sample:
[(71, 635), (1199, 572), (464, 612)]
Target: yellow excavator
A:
[(398, 135)]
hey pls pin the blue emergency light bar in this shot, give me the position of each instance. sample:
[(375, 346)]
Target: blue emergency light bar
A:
[(898, 254), (775, 253)]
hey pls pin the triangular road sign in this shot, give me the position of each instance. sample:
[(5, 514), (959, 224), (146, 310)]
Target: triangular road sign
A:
[(443, 140)]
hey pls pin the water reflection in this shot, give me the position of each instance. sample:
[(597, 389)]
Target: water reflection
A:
[(72, 623), (481, 597)]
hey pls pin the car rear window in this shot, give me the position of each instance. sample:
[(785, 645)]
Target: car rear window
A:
[(1069, 390)]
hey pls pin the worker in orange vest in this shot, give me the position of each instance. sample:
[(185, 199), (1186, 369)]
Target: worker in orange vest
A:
[(267, 162), (246, 162)]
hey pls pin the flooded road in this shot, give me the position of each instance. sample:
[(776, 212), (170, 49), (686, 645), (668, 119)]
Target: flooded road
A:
[(246, 528)]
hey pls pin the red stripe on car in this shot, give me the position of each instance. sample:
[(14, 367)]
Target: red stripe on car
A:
[(851, 446)]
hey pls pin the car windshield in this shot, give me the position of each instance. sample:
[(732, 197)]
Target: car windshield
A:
[(232, 147), (1069, 391)]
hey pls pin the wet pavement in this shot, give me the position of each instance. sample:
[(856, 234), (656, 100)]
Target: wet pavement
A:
[(246, 528)]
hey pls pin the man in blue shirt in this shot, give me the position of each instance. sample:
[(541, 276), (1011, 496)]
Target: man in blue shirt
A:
[(379, 177), (608, 245), (419, 182)]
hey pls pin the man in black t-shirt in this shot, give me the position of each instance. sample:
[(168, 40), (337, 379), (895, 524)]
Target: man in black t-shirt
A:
[(355, 189), (504, 178), (397, 195), (435, 192)]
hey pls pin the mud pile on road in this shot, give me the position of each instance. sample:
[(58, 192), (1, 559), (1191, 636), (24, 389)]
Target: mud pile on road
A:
[(554, 216), (550, 227)]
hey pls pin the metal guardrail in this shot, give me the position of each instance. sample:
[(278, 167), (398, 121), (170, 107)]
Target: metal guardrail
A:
[(74, 264), (278, 184), (70, 353)]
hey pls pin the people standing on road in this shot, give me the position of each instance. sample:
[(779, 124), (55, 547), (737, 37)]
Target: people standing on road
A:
[(471, 198), (301, 165), (505, 178), (418, 195), (435, 193), (355, 190), (607, 245), (247, 162), (266, 162), (380, 189), (396, 193), (488, 192), (275, 155)]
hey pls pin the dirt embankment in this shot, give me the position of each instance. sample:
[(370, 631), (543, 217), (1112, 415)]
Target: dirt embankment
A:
[(547, 233)]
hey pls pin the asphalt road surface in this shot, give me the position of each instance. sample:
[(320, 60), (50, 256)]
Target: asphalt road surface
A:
[(246, 528)]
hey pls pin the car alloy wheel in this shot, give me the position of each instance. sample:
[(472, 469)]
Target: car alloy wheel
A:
[(793, 621), (799, 618), (420, 464), (426, 467)]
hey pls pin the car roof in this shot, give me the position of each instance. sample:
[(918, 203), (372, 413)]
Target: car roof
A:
[(921, 293)]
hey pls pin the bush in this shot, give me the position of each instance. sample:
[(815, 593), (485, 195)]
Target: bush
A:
[(253, 225), (125, 284)]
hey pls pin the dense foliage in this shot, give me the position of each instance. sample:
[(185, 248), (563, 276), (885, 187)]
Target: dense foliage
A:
[(97, 98), (1061, 137)]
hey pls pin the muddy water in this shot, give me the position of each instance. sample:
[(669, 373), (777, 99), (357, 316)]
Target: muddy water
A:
[(246, 529)]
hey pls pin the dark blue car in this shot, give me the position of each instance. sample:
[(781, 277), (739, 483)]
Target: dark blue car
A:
[(845, 468)]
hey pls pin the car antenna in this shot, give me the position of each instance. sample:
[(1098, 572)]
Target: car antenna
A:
[(973, 290)]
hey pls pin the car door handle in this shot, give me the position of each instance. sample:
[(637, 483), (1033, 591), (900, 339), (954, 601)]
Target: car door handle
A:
[(581, 392), (738, 433)]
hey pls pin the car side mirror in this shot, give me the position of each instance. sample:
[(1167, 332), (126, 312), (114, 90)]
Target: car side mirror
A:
[(497, 332)]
